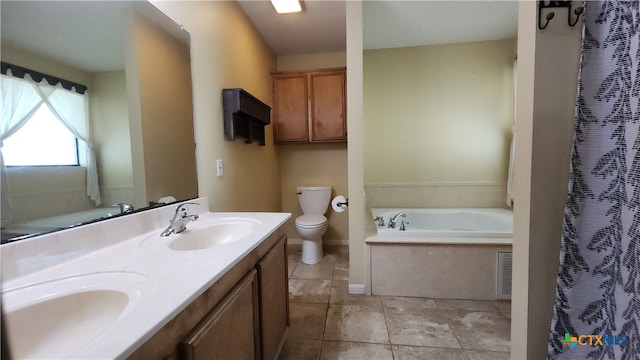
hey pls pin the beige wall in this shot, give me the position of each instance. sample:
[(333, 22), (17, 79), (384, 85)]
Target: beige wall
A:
[(438, 114), (44, 65), (111, 136), (448, 195), (312, 61), (547, 83), (228, 52), (309, 164), (161, 68)]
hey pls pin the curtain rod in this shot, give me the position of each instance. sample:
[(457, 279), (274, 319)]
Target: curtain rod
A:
[(19, 71)]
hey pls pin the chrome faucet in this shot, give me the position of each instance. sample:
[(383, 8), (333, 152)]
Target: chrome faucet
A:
[(180, 220), (403, 227), (124, 208), (394, 219)]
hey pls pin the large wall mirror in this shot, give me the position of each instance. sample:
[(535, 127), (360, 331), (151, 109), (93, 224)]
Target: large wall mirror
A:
[(135, 63)]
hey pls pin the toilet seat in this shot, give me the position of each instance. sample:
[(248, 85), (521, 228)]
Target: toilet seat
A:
[(311, 221)]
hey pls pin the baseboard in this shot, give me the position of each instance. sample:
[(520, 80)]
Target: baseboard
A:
[(291, 241), (357, 289)]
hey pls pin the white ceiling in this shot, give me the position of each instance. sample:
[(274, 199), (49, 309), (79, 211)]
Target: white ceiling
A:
[(321, 27), (88, 34)]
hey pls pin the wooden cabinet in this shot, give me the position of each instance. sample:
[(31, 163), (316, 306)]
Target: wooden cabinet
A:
[(274, 300), (310, 106), (230, 331), (291, 123)]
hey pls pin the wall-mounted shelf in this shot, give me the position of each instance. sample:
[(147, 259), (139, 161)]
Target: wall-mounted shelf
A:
[(244, 116)]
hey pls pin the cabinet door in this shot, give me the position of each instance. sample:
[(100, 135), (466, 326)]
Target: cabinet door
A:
[(230, 329), (328, 115), (274, 300), (291, 105)]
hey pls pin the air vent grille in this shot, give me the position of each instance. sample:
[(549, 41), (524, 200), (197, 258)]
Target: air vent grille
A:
[(504, 274)]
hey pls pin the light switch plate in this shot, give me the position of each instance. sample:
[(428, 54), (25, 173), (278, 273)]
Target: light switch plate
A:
[(219, 167)]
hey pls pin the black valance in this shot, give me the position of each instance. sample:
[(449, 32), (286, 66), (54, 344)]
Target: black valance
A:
[(19, 71)]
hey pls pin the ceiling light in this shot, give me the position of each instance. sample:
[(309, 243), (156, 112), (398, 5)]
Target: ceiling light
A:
[(286, 6)]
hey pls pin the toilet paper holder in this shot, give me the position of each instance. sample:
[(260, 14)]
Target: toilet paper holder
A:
[(339, 203)]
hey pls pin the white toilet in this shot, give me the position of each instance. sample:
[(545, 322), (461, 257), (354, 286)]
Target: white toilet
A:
[(314, 201)]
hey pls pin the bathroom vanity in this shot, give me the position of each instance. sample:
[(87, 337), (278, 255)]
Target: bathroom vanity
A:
[(244, 315), (118, 289)]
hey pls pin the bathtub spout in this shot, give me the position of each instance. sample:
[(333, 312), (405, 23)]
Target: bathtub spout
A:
[(394, 219)]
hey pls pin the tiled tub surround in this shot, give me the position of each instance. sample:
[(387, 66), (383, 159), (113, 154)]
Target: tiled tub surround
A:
[(437, 195), (128, 245), (435, 270), (59, 221), (328, 323)]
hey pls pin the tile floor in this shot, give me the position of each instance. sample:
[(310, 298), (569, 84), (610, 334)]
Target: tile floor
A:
[(328, 323)]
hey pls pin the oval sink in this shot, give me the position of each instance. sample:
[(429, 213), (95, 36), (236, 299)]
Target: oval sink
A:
[(57, 318), (216, 233)]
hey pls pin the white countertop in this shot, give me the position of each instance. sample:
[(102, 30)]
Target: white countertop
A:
[(169, 280)]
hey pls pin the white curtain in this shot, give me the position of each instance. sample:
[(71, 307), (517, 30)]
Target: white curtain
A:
[(72, 110), (20, 99), (18, 102)]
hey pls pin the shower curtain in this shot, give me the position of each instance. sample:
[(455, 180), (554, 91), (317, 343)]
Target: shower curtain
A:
[(597, 306)]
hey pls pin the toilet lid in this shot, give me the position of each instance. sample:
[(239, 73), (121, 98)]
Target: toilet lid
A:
[(311, 221)]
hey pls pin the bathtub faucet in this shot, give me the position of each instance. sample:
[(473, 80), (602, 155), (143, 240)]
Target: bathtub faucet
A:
[(394, 219), (124, 208), (180, 220)]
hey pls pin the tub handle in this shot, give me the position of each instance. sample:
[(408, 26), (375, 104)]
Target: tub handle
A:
[(402, 226), (380, 220)]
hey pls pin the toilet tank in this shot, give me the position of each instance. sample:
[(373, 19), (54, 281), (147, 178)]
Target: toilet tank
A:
[(314, 199)]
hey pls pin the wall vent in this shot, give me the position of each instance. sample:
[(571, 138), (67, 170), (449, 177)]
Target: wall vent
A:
[(504, 267)]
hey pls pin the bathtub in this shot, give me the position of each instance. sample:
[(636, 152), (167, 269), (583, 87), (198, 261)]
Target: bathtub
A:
[(441, 253), (444, 226), (58, 222)]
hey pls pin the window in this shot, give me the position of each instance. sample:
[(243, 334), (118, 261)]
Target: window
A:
[(43, 140)]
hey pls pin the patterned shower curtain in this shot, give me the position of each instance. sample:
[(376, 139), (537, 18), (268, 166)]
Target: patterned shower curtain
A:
[(597, 306)]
